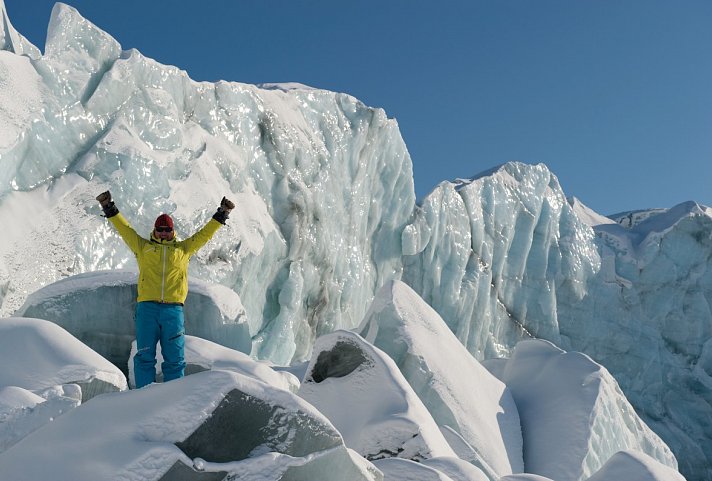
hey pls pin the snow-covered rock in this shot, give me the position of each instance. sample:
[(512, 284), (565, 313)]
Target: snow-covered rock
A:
[(433, 361), (574, 416), (210, 422), (98, 308), (38, 355), (362, 392), (203, 355)]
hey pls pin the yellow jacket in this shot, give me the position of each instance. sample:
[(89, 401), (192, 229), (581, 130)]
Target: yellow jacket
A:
[(163, 265)]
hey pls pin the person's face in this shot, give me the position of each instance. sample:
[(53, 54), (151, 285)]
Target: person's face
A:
[(163, 233)]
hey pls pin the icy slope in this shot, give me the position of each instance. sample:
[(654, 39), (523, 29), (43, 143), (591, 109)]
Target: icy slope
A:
[(323, 184)]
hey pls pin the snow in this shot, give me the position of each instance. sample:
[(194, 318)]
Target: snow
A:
[(98, 308), (574, 416), (204, 355), (325, 218), (432, 360), (145, 439), (362, 392), (635, 465), (50, 356)]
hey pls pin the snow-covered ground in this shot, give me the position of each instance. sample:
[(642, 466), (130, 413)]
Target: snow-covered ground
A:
[(327, 237)]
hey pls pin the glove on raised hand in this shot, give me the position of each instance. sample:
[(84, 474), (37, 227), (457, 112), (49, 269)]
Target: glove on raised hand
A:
[(109, 208), (223, 213)]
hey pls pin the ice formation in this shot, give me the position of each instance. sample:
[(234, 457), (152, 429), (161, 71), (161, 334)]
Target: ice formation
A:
[(210, 422), (362, 392), (323, 184), (623, 464), (326, 216), (38, 355), (504, 257), (98, 308), (432, 360), (574, 416), (203, 355)]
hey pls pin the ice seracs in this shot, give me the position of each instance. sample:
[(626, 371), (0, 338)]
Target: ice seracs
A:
[(574, 416), (433, 361)]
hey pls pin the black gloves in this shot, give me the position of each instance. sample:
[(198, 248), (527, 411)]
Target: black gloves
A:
[(223, 212), (110, 209)]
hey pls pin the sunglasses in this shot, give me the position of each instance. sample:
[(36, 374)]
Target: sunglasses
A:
[(164, 229)]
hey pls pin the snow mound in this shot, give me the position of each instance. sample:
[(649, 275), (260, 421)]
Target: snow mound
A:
[(23, 411), (432, 360), (632, 465), (209, 425), (574, 416), (362, 392), (396, 469), (38, 355), (203, 355), (98, 308)]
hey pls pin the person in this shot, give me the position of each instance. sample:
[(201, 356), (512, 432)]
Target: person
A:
[(162, 287)]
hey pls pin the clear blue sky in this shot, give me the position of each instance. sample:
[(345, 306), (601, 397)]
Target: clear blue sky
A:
[(615, 96)]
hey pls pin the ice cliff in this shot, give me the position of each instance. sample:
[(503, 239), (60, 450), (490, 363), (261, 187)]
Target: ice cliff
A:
[(326, 215)]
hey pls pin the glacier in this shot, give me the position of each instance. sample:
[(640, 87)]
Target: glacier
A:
[(327, 217)]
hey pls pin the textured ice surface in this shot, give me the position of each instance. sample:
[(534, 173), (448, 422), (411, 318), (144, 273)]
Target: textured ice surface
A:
[(323, 184), (574, 416), (504, 257), (493, 254), (433, 361), (646, 317), (362, 392), (37, 354), (203, 355), (218, 421), (11, 40), (98, 308)]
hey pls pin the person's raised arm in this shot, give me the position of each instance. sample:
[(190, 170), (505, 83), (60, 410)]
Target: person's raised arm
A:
[(127, 233), (200, 238)]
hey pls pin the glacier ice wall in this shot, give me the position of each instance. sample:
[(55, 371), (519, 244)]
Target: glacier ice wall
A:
[(323, 184), (504, 257), (493, 254)]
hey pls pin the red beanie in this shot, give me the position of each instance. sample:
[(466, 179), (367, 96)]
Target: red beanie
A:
[(164, 220)]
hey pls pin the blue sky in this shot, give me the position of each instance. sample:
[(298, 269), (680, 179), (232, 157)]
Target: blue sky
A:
[(615, 96)]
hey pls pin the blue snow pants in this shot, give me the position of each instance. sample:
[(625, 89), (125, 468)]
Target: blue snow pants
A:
[(156, 322)]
